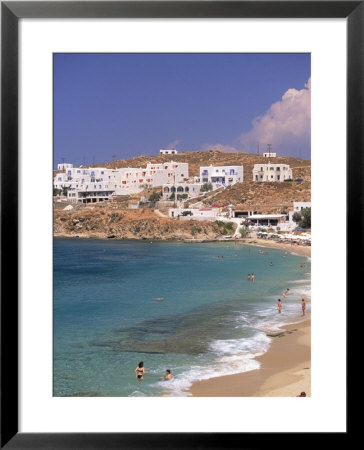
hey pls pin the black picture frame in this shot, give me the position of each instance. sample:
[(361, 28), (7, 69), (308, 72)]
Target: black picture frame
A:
[(11, 13)]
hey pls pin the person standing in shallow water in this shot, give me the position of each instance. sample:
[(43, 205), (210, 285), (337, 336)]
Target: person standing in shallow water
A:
[(303, 306), (140, 371), (252, 277), (279, 306)]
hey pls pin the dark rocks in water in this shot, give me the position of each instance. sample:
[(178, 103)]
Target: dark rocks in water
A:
[(280, 334)]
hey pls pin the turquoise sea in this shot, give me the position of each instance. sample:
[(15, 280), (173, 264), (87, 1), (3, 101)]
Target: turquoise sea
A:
[(212, 320)]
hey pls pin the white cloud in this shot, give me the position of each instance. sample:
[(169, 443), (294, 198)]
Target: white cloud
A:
[(286, 125), (173, 144)]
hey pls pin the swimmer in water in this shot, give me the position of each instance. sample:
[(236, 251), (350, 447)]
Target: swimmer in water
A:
[(168, 376), (285, 293), (140, 371), (248, 276), (158, 298), (253, 277)]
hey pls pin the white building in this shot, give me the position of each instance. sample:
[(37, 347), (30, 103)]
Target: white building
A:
[(271, 172), (99, 183), (297, 207), (191, 189), (168, 152), (225, 175), (196, 213), (269, 155), (64, 166), (266, 220)]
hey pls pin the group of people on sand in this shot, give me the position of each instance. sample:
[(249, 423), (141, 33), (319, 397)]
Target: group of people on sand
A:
[(140, 371), (279, 305)]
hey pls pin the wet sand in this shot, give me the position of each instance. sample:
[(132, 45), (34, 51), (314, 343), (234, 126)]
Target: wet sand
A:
[(285, 370)]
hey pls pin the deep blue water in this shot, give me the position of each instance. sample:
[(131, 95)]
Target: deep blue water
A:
[(211, 321)]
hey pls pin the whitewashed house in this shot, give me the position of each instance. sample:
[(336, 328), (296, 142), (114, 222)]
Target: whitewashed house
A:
[(297, 207), (224, 175), (271, 172), (196, 213), (269, 155), (168, 152), (99, 183), (191, 189), (64, 166)]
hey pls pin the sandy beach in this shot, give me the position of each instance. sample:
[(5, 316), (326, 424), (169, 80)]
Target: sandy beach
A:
[(298, 249), (285, 370)]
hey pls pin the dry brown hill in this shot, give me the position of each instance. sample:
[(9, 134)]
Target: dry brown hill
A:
[(266, 198), (262, 197), (109, 221), (301, 167)]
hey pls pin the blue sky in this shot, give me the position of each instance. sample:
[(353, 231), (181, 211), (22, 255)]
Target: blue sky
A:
[(114, 106)]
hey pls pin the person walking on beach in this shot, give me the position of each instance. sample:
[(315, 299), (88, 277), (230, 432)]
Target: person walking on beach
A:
[(168, 376), (140, 371), (303, 306), (285, 293), (279, 306)]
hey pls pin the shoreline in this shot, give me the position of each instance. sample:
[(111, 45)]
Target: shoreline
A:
[(300, 250), (285, 369)]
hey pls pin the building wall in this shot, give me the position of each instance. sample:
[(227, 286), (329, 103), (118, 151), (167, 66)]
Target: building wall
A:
[(122, 181), (64, 166), (168, 152), (297, 207), (226, 175), (271, 172), (196, 213)]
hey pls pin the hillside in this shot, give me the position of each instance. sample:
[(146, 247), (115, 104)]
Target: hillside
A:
[(109, 221), (114, 220), (301, 167), (266, 198)]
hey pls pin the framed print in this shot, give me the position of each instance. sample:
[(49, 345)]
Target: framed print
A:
[(145, 285)]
